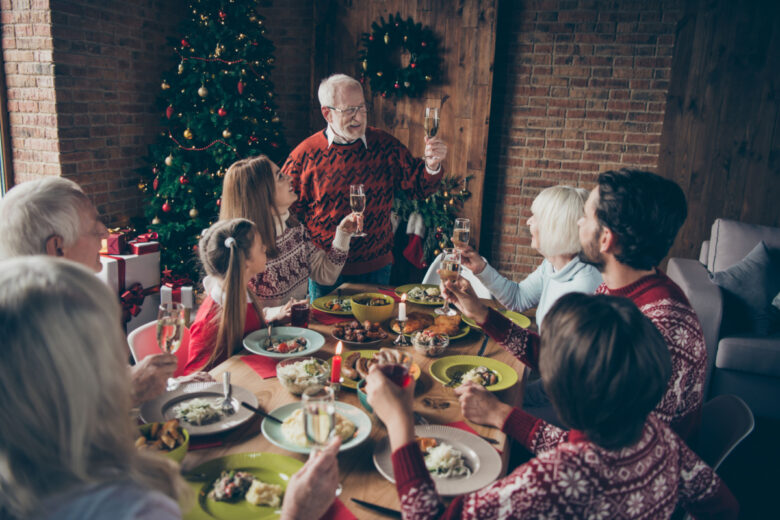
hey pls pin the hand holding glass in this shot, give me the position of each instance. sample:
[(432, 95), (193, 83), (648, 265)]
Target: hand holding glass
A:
[(319, 418), (461, 233), (170, 330), (449, 270), (357, 201)]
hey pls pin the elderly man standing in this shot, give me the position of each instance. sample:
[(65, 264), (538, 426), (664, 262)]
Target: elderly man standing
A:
[(348, 152), (54, 217)]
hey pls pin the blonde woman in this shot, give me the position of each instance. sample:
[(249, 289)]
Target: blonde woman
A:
[(554, 233), (257, 190), (231, 251), (66, 436)]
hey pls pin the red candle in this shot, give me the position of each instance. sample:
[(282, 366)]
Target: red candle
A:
[(335, 374)]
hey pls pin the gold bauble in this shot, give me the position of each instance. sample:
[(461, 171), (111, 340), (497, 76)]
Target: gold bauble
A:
[(275, 120), (405, 37), (142, 186), (187, 133), (203, 91), (379, 74), (193, 213), (365, 64), (436, 252), (226, 133), (241, 36), (156, 221), (165, 85), (387, 38), (428, 78), (169, 160), (181, 68), (407, 84)]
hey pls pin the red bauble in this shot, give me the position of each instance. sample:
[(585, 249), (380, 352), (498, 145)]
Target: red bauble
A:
[(384, 94), (222, 15), (166, 207), (155, 170), (222, 112), (185, 43), (397, 85), (219, 202), (240, 87), (275, 145), (423, 44), (169, 111), (371, 38), (413, 65), (156, 183), (195, 248), (184, 180)]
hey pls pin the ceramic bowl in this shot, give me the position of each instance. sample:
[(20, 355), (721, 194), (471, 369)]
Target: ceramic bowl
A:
[(372, 313), (177, 453)]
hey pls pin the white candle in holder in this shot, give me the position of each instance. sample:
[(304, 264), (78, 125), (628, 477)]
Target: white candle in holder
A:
[(402, 308)]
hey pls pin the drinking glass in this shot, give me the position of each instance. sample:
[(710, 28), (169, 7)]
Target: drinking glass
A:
[(398, 372), (449, 270), (300, 313), (431, 121), (170, 328), (319, 418), (357, 201), (461, 233)]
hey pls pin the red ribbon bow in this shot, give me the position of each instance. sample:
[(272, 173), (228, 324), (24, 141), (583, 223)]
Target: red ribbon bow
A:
[(175, 281), (147, 237), (133, 299)]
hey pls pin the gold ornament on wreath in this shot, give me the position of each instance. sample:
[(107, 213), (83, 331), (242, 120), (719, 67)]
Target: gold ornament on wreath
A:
[(399, 57)]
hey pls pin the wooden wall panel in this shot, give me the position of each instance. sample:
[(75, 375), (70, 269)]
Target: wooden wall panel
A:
[(721, 135), (467, 33)]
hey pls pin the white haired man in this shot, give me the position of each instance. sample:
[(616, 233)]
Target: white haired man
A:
[(350, 152), (54, 217)]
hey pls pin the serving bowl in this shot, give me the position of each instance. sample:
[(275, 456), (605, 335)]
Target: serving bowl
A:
[(177, 453), (363, 397), (296, 384), (431, 345), (373, 313)]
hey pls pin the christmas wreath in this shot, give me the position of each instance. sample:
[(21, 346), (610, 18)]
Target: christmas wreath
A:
[(399, 57)]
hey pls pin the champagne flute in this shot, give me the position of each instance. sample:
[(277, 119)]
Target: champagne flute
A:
[(357, 201), (431, 121), (450, 270), (319, 418), (170, 329), (461, 233)]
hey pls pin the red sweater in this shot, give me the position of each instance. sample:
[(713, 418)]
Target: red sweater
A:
[(322, 176), (203, 335), (664, 303), (571, 477)]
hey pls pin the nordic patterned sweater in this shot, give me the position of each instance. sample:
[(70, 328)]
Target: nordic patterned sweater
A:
[(322, 176), (571, 477), (664, 303)]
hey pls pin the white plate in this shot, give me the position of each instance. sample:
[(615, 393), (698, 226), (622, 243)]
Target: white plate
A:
[(161, 408), (483, 460), (273, 430), (254, 341)]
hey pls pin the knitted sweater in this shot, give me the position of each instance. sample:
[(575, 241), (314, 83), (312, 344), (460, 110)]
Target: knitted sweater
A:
[(322, 176), (541, 288), (662, 301), (571, 477)]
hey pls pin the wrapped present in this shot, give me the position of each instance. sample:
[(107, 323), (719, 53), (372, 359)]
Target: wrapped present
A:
[(177, 289), (136, 281), (116, 243), (144, 243)]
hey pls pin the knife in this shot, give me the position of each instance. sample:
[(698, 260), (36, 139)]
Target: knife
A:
[(260, 412), (382, 509), (484, 344)]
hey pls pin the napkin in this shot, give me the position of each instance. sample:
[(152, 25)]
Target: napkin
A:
[(194, 446), (466, 428), (264, 366), (389, 292), (328, 319), (338, 511)]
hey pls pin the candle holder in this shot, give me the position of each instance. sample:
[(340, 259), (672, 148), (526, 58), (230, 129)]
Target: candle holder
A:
[(401, 340), (336, 387)]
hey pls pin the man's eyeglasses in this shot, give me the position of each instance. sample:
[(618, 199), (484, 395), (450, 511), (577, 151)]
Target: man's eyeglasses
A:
[(351, 111)]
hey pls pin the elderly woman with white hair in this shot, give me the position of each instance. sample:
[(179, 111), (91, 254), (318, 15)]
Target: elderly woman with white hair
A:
[(66, 435), (554, 233)]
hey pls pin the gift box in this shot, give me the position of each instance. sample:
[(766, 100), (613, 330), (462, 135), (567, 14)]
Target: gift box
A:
[(136, 281), (183, 294), (116, 243), (144, 243)]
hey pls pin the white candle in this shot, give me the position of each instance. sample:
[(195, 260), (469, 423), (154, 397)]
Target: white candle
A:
[(402, 308)]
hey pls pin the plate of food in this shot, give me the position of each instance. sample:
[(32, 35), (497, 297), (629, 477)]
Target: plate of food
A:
[(197, 407), (459, 461), (452, 326), (490, 373), (421, 293), (287, 342), (359, 334), (352, 425), (518, 319), (355, 366), (338, 305), (241, 486)]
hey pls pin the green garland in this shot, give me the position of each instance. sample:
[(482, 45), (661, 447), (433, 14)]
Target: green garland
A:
[(380, 56), (438, 213)]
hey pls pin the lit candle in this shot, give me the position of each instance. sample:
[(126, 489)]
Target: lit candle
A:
[(402, 308), (335, 374)]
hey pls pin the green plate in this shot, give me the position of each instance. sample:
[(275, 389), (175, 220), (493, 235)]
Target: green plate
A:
[(400, 291), (268, 467), (352, 383), (320, 302), (443, 369), (462, 331), (518, 319)]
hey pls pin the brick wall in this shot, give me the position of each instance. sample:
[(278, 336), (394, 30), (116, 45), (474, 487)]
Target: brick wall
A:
[(580, 88)]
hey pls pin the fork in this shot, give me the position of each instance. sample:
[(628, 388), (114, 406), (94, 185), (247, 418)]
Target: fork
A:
[(269, 342), (227, 402)]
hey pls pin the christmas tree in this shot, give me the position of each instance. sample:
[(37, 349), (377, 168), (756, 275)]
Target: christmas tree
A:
[(217, 107)]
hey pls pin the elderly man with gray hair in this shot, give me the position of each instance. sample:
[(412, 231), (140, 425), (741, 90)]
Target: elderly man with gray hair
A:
[(54, 217), (349, 152)]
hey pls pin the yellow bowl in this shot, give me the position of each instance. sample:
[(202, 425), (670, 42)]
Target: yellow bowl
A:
[(372, 313), (177, 453)]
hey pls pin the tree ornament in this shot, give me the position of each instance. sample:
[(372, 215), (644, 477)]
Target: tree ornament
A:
[(423, 44), (413, 65), (169, 111), (187, 133), (156, 221), (183, 180), (185, 43), (442, 244), (438, 236), (181, 68), (436, 252), (203, 91), (165, 85), (142, 186), (156, 183), (222, 112), (193, 213), (438, 228), (446, 194), (166, 207), (396, 85), (219, 202), (240, 87), (169, 160), (155, 170), (364, 63), (222, 15), (387, 39), (452, 202), (226, 133)]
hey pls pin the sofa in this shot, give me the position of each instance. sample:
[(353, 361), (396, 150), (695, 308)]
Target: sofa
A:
[(731, 287)]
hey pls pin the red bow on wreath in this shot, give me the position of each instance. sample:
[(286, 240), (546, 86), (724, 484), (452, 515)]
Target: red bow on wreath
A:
[(133, 298)]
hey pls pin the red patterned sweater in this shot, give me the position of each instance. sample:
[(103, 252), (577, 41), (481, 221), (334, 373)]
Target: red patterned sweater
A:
[(572, 477), (664, 303), (322, 176)]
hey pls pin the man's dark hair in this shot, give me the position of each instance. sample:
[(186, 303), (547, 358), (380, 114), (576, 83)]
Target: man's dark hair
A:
[(604, 365), (644, 211)]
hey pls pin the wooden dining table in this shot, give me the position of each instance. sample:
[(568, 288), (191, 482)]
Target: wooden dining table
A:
[(359, 478)]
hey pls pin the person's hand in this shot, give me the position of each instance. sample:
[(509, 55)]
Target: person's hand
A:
[(393, 405), (480, 406), (349, 224), (196, 377), (149, 377), (435, 152), (282, 314), (460, 293), (472, 260), (312, 489)]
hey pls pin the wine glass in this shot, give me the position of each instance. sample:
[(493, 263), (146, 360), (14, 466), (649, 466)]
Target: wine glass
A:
[(449, 270), (431, 121), (357, 201), (170, 329), (397, 372), (319, 418), (461, 233)]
